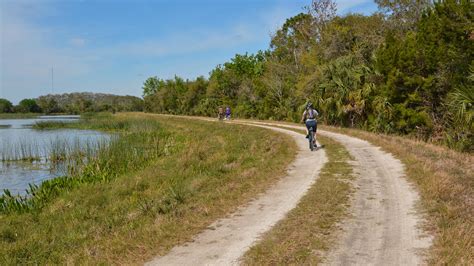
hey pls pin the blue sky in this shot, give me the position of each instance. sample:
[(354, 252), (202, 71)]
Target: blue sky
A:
[(112, 46)]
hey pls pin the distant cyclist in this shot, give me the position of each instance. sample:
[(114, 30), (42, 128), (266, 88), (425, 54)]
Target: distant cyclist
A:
[(220, 113), (227, 113), (309, 118)]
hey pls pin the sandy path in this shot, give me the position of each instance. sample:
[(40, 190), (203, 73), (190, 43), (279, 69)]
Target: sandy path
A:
[(384, 226), (228, 239)]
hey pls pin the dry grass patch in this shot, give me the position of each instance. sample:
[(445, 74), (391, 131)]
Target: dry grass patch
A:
[(309, 229)]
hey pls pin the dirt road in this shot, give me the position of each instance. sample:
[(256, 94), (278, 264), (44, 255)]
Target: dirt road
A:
[(383, 227), (228, 239)]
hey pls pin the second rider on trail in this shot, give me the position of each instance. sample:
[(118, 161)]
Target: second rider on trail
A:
[(309, 118), (227, 113)]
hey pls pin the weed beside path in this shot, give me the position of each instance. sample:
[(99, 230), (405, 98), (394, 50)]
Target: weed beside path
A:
[(210, 169)]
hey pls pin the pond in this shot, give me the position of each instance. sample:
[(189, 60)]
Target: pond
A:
[(25, 152)]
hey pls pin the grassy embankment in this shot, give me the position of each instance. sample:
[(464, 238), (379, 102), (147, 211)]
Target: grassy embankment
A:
[(309, 229), (445, 180), (193, 173)]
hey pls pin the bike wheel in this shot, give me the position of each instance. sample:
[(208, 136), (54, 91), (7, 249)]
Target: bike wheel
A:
[(311, 137)]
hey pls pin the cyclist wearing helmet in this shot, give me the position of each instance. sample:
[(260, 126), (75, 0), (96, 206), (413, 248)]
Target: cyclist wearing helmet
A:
[(309, 118)]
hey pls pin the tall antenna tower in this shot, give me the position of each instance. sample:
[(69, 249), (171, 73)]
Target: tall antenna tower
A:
[(52, 80)]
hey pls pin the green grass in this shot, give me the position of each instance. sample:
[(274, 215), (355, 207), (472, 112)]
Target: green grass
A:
[(203, 172), (309, 229), (18, 115), (96, 121)]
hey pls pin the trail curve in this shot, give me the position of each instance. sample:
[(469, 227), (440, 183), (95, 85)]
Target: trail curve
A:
[(384, 223), (228, 239)]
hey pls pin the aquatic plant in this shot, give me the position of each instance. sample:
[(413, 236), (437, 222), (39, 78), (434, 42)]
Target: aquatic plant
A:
[(129, 150)]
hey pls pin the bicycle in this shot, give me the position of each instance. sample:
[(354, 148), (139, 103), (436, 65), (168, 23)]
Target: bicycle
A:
[(312, 145), (220, 117)]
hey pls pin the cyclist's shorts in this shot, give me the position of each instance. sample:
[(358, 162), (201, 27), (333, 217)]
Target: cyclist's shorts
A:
[(311, 124)]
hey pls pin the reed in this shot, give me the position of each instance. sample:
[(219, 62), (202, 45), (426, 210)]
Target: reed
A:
[(29, 151), (136, 144)]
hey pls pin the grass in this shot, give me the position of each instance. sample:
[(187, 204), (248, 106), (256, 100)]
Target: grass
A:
[(18, 115), (93, 121), (21, 151), (204, 171), (90, 162), (309, 229), (445, 181), (55, 151)]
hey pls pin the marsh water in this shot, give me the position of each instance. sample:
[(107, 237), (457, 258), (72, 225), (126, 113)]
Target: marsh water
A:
[(18, 140)]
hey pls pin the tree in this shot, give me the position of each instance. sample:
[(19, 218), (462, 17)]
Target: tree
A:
[(352, 34), (460, 115), (5, 106), (402, 71), (28, 106), (293, 39), (403, 14), (48, 104), (322, 12), (151, 86), (422, 68)]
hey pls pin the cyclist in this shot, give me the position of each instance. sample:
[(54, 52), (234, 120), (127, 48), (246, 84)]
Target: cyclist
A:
[(220, 113), (227, 113), (309, 118)]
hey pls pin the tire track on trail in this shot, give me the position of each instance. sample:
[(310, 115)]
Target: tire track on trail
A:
[(384, 225), (227, 239)]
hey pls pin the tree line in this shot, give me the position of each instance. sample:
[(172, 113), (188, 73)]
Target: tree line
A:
[(406, 69), (74, 103)]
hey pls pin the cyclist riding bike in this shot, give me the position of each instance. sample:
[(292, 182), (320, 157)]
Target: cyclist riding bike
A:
[(220, 113), (309, 118), (227, 113)]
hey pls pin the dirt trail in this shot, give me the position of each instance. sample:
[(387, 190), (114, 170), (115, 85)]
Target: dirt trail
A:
[(228, 239), (383, 228)]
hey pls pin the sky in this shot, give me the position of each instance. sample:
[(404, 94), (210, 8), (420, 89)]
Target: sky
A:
[(113, 46)]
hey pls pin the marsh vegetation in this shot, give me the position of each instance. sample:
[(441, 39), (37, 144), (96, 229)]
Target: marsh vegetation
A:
[(32, 156), (161, 181)]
